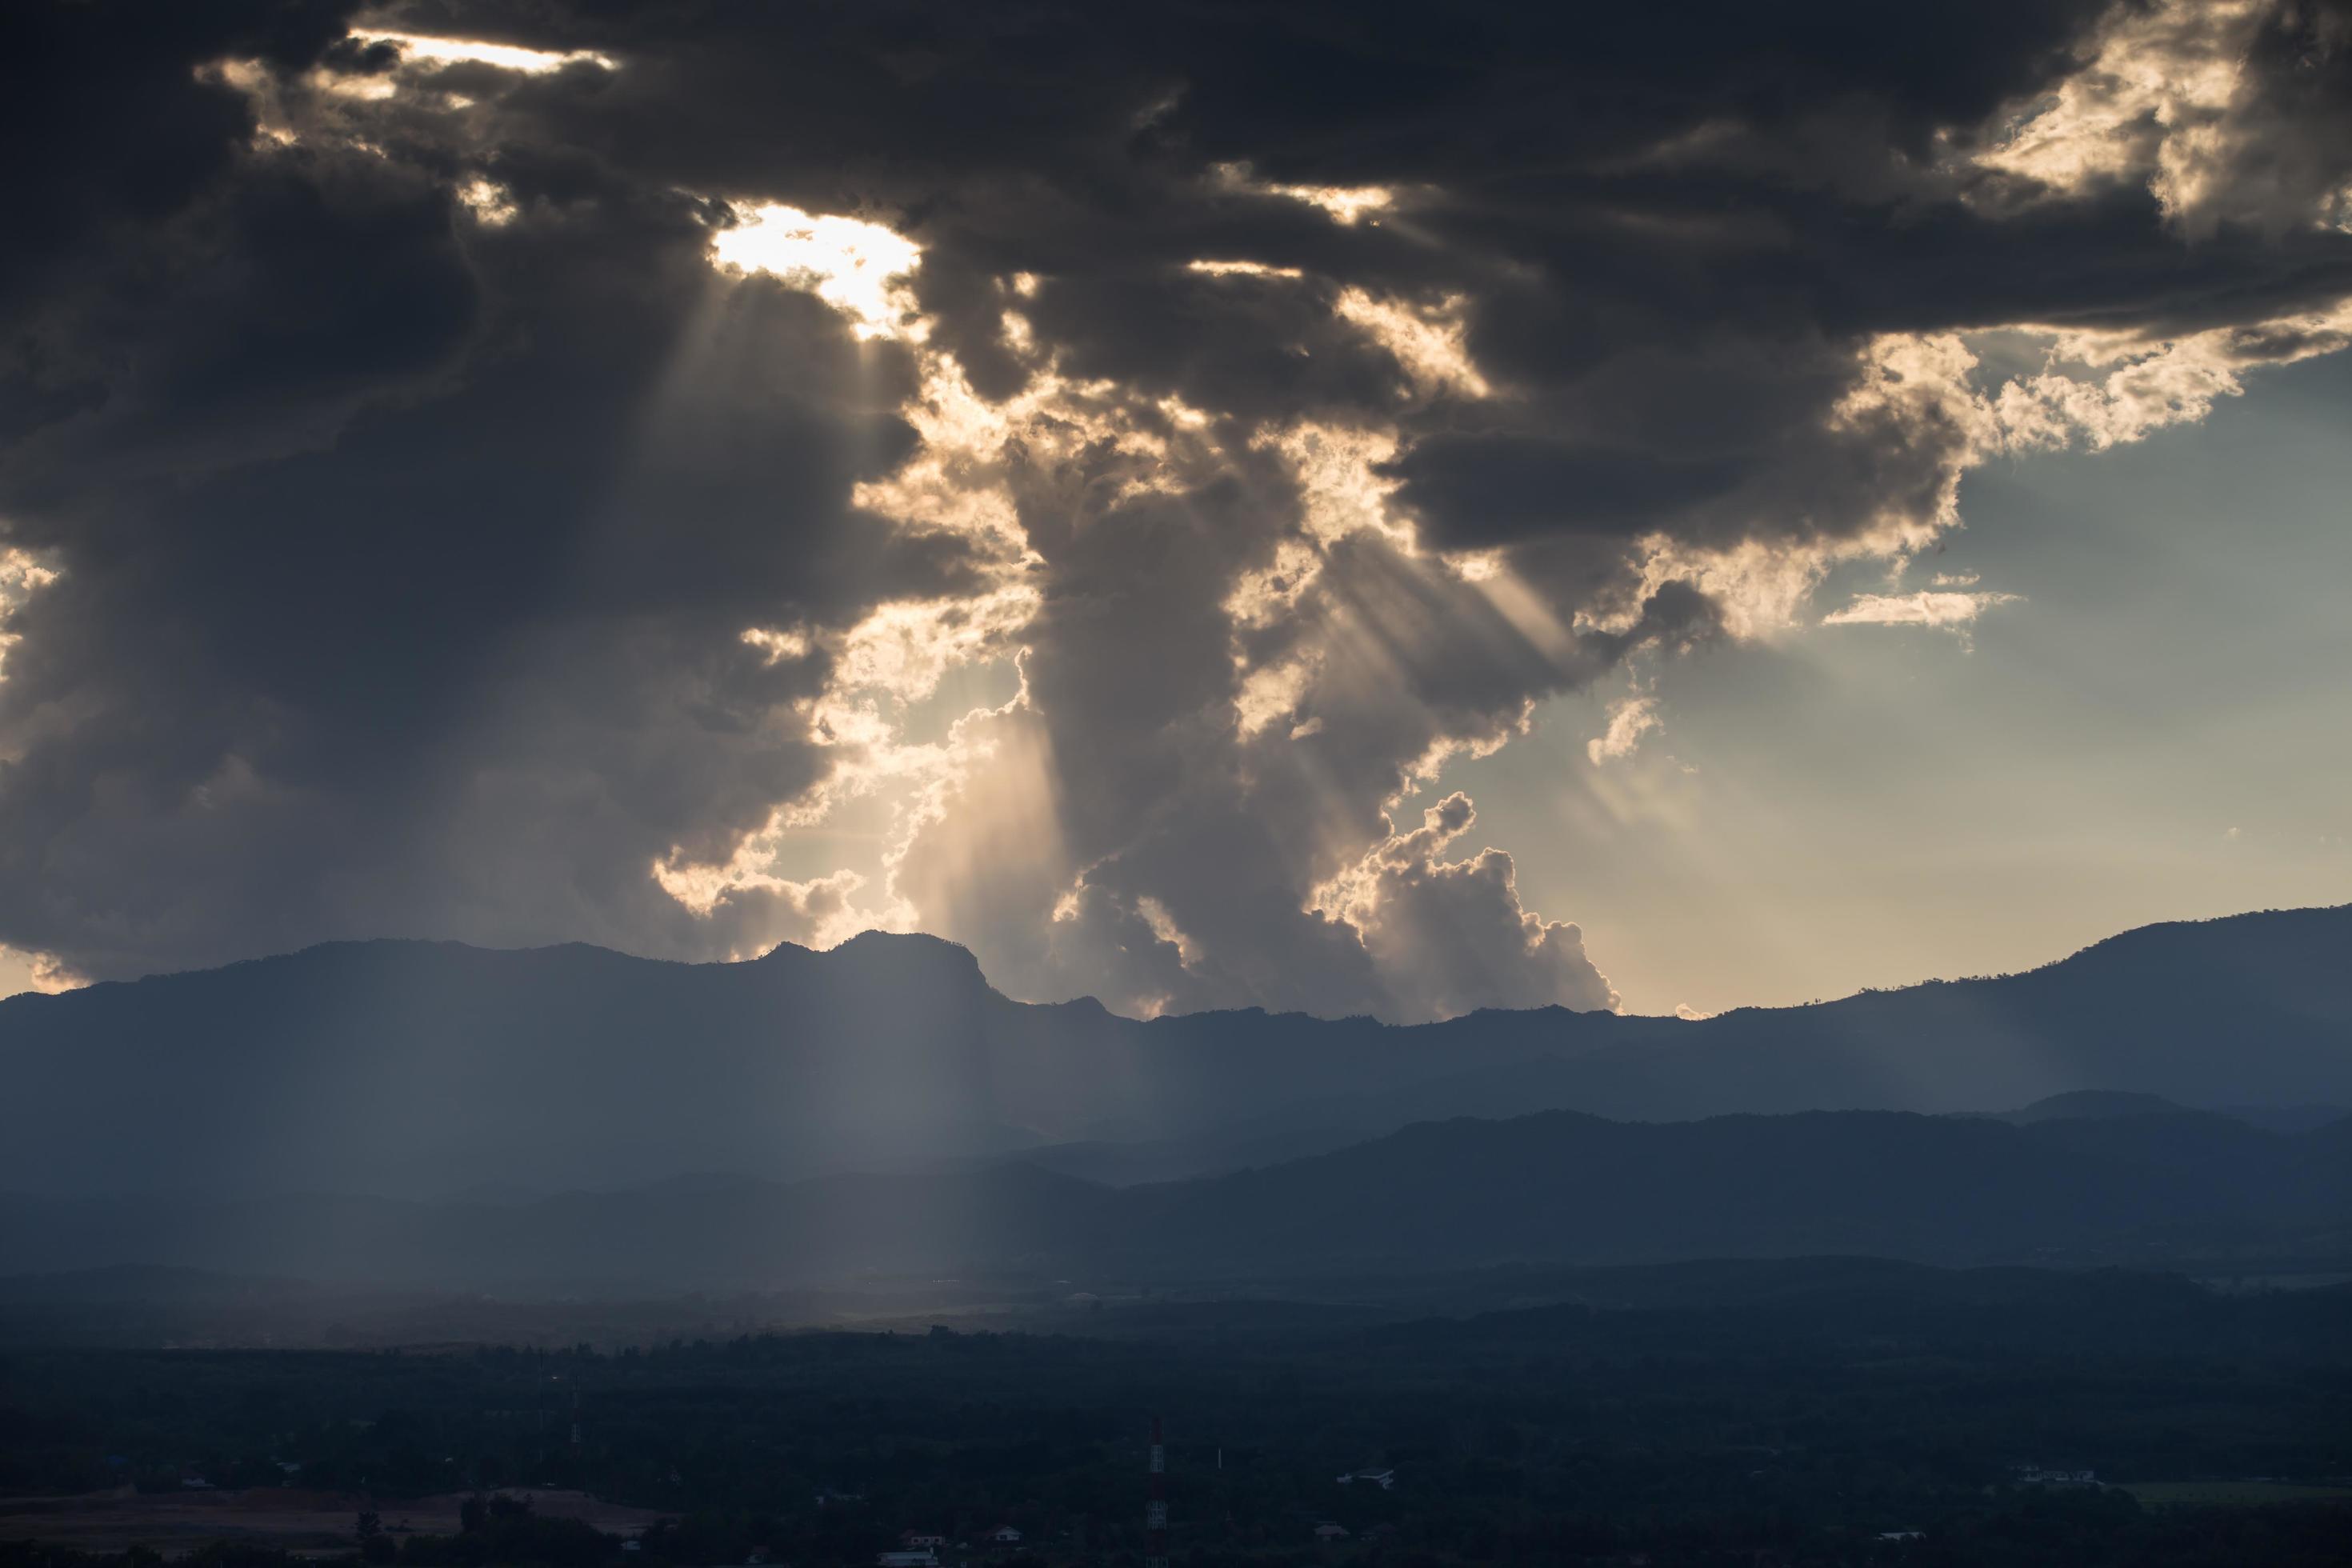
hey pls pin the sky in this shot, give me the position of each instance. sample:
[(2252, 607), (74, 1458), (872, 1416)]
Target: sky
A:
[(1356, 508)]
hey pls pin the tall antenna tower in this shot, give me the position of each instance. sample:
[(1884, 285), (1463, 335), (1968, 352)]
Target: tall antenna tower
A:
[(1155, 1512)]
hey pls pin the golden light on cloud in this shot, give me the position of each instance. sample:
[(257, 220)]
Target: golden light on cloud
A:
[(1264, 595), (1923, 394), (40, 972), (1164, 928), (1348, 204), (1629, 718), (1274, 692), (21, 576), (21, 572), (1426, 342), (488, 201), (2149, 106), (319, 105), (904, 649), (776, 647), (857, 267), (1941, 610), (442, 51), (1341, 488), (1242, 270)]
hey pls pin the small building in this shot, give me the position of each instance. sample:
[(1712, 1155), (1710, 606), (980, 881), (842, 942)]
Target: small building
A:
[(1005, 1535), (921, 1540), (1328, 1530), (924, 1559)]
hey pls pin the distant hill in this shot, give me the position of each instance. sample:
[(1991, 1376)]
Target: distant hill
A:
[(2089, 1104), (2097, 1104), (1555, 1188), (1513, 1089), (1309, 1127), (418, 1068), (2303, 1117), (1562, 1186)]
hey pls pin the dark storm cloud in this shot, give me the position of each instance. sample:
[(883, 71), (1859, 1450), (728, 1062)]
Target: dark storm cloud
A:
[(252, 325), (107, 126), (2293, 147), (1487, 490), (1645, 209), (486, 645), (401, 574), (411, 478)]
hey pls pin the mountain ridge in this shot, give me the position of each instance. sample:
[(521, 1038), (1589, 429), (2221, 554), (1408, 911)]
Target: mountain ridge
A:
[(420, 1066), (875, 936)]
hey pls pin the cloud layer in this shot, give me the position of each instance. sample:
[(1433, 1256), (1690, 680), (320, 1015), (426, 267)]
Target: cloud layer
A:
[(534, 471)]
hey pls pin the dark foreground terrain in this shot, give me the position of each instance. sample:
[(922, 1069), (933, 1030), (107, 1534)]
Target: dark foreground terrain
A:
[(1805, 1411)]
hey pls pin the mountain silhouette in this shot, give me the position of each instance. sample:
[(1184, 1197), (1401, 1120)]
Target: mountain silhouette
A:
[(419, 1069)]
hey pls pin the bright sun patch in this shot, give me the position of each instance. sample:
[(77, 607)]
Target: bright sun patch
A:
[(857, 267)]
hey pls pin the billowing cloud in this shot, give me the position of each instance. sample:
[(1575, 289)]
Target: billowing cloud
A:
[(1451, 935), (1066, 481)]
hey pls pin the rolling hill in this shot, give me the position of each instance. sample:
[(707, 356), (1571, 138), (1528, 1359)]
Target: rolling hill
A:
[(1553, 1188)]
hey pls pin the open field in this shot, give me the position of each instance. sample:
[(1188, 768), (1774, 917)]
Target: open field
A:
[(295, 1520)]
